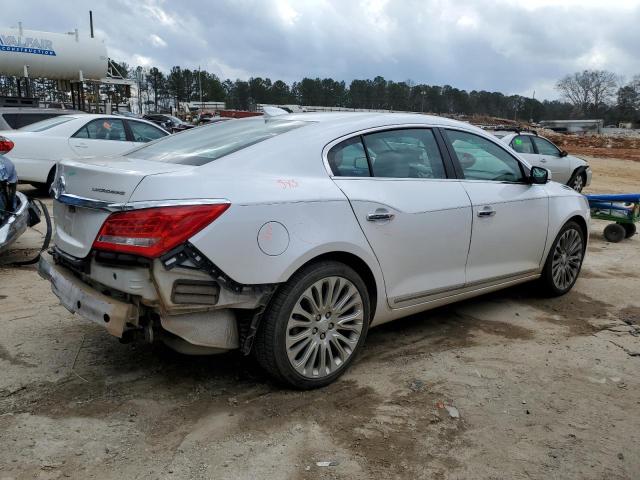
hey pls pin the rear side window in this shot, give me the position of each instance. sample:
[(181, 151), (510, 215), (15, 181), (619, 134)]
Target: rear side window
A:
[(19, 120), (103, 129), (410, 153), (545, 147), (143, 132), (202, 145), (348, 159), (481, 159), (522, 144)]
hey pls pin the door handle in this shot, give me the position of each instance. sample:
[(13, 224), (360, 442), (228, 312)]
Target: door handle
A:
[(543, 160), (379, 215), (486, 212), (82, 145)]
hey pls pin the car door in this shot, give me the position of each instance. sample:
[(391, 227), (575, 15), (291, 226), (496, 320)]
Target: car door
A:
[(524, 146), (510, 216), (102, 136), (415, 217), (142, 132), (551, 159)]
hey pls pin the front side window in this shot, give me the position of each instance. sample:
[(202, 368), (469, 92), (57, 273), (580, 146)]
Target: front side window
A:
[(103, 129), (545, 147), (481, 159), (522, 144), (347, 159), (143, 132), (410, 153)]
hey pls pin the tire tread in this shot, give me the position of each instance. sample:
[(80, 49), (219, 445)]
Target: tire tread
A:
[(264, 347)]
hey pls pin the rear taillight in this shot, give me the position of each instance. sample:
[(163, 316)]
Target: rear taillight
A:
[(150, 232), (6, 145)]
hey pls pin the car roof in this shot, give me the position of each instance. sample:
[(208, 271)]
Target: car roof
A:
[(354, 121), (61, 111)]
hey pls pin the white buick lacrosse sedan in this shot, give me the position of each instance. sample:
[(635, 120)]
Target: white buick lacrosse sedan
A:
[(290, 236)]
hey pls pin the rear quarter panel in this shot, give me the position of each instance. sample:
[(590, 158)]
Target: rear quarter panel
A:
[(315, 213)]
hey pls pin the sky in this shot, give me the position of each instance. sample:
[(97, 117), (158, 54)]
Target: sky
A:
[(512, 46)]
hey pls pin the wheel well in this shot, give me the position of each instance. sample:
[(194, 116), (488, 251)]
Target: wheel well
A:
[(51, 176), (579, 171), (361, 268), (582, 222)]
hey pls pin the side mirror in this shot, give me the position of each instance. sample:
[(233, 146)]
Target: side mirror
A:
[(539, 175), (563, 153)]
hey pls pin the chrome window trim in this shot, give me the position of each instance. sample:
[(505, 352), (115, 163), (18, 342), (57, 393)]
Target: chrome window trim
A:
[(395, 126), (93, 204)]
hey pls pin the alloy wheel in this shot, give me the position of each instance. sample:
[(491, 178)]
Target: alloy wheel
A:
[(567, 259), (324, 327), (578, 183)]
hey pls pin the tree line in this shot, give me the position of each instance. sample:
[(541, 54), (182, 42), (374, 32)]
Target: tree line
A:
[(586, 94)]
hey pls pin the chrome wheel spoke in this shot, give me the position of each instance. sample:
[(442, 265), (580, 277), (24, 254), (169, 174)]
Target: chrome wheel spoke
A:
[(344, 296), (324, 369), (324, 327), (341, 353), (345, 342)]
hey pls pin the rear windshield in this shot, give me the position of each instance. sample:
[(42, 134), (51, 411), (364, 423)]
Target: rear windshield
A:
[(201, 145), (47, 124), (22, 119)]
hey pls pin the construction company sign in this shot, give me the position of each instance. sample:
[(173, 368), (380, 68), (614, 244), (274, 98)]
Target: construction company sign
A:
[(36, 46)]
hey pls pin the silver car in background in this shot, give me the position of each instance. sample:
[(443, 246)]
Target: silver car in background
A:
[(568, 169), (290, 236)]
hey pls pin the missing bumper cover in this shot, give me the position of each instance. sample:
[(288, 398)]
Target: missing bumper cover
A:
[(188, 256), (195, 292)]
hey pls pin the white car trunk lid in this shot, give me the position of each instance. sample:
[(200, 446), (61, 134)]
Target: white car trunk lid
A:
[(85, 191)]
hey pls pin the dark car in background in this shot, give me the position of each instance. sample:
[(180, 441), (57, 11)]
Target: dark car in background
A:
[(168, 122), (12, 118), (209, 120)]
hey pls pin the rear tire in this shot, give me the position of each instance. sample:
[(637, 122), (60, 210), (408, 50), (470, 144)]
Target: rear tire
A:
[(614, 232), (629, 228), (45, 188), (564, 261), (314, 326)]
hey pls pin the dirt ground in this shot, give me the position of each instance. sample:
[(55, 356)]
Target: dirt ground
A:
[(543, 388)]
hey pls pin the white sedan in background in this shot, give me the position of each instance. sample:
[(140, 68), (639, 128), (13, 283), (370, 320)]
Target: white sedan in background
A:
[(38, 147), (289, 236), (568, 169)]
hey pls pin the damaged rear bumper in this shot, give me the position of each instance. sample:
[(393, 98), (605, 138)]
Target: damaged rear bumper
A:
[(179, 307), (78, 297), (15, 224)]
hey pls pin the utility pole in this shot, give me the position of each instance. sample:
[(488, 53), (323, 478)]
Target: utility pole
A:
[(531, 110), (200, 83)]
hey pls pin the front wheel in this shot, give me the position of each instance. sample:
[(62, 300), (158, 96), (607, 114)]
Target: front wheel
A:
[(314, 326), (564, 261), (577, 182)]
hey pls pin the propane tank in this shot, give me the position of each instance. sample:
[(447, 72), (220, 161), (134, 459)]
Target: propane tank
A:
[(60, 56)]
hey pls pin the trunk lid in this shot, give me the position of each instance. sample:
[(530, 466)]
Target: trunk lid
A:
[(102, 181)]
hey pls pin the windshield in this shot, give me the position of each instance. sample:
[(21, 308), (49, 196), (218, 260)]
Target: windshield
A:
[(175, 120), (202, 145), (43, 125)]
